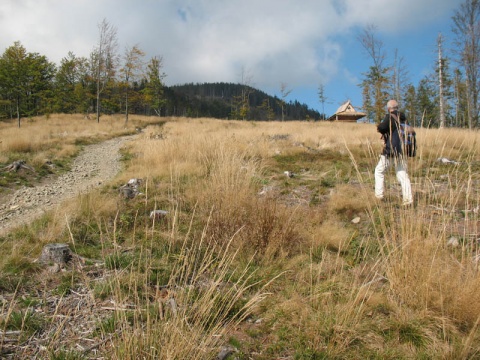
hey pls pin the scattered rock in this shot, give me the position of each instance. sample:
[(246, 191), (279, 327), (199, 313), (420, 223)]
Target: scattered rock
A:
[(265, 190), (127, 192), (225, 352), (356, 220), (130, 189), (453, 242), (444, 160), (55, 253), (158, 214)]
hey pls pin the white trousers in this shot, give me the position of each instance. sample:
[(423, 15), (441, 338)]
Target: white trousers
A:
[(402, 177)]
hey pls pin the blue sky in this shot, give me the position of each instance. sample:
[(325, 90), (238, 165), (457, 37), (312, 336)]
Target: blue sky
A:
[(300, 43)]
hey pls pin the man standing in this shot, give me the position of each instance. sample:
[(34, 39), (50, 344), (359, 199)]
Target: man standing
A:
[(392, 151)]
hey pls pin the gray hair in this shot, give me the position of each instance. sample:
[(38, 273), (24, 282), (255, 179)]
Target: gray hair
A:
[(392, 104)]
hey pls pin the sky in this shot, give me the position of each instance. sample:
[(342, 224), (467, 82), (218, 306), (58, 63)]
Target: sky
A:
[(301, 44)]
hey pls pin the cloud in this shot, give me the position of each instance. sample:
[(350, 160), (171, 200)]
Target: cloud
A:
[(291, 41)]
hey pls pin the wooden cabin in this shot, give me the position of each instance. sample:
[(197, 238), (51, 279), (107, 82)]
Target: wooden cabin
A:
[(347, 113)]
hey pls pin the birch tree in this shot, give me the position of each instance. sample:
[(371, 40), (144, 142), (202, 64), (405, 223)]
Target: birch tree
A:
[(132, 66), (104, 60), (376, 80)]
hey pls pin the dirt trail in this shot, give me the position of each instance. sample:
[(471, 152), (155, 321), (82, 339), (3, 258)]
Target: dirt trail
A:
[(95, 165)]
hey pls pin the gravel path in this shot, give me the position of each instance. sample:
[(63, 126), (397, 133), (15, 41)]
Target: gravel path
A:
[(95, 165)]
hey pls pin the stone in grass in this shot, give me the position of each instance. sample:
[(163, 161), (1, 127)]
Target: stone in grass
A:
[(225, 353), (158, 214), (453, 242), (130, 189), (55, 253)]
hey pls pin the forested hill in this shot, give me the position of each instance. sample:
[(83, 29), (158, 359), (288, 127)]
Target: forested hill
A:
[(231, 101)]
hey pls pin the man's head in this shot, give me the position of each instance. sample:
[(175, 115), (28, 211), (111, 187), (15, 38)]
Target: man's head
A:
[(392, 105)]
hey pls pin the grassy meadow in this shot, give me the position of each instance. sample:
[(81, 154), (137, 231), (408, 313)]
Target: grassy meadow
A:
[(244, 259)]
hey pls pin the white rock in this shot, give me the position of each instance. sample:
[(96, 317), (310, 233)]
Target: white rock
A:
[(453, 242), (158, 214), (444, 160)]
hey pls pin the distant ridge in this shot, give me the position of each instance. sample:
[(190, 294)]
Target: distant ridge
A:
[(231, 101)]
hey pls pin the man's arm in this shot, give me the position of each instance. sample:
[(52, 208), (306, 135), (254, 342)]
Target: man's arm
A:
[(384, 126)]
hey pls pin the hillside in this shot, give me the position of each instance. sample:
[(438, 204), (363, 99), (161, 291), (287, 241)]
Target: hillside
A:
[(225, 101), (241, 240)]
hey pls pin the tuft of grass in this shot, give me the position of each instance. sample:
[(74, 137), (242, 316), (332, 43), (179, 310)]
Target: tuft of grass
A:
[(118, 261), (63, 354), (67, 283), (26, 321), (20, 265)]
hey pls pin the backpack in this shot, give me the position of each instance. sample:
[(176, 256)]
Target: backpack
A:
[(407, 137)]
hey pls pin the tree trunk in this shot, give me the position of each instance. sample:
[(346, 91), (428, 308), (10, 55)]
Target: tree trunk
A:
[(126, 106), (440, 83), (18, 112)]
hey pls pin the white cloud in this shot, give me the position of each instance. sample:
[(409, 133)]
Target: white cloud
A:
[(292, 41)]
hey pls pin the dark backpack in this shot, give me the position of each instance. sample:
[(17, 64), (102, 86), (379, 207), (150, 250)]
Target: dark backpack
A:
[(407, 136), (409, 139)]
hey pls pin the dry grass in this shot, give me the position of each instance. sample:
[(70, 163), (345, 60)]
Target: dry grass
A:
[(387, 285), (57, 137)]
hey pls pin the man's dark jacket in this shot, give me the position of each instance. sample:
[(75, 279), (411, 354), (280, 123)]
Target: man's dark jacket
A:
[(388, 129)]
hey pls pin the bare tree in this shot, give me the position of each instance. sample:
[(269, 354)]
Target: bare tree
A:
[(284, 92), (104, 59), (467, 30), (441, 99), (241, 102), (322, 98), (372, 45), (132, 65), (399, 77), (376, 83)]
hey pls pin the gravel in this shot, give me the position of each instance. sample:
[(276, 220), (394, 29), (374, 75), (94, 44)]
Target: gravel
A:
[(95, 165)]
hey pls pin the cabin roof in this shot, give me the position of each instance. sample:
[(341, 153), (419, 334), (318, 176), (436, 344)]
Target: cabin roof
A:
[(346, 112)]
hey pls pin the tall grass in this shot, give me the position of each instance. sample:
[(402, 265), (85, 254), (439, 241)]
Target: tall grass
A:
[(304, 267), (57, 137)]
